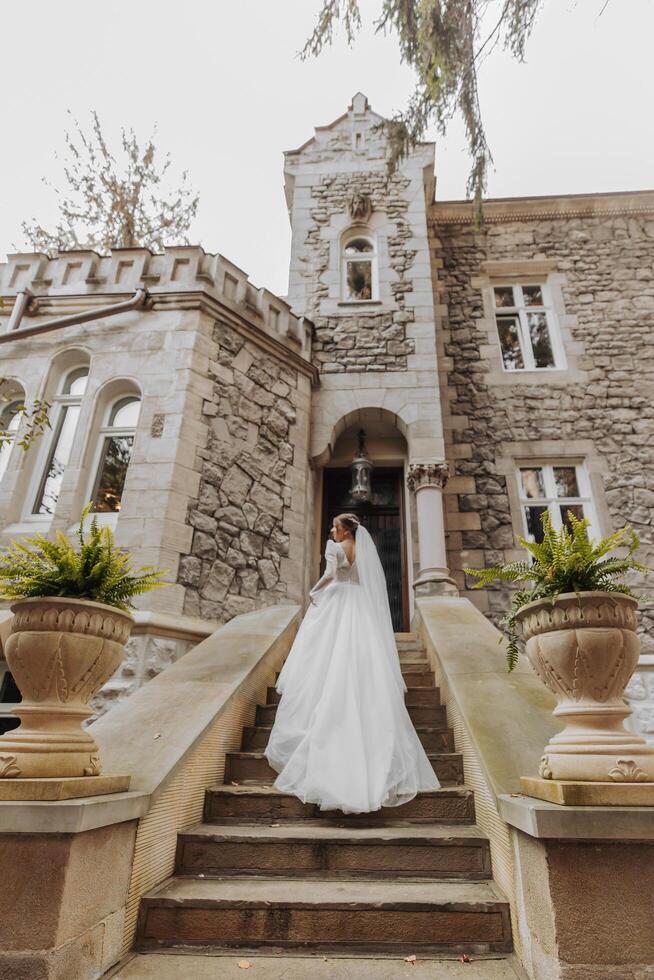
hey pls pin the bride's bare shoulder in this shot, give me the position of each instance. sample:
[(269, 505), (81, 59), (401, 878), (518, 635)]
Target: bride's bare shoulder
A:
[(349, 548)]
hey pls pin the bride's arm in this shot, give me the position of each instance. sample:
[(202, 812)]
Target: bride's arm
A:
[(326, 577)]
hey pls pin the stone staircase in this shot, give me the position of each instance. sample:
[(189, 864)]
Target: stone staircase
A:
[(266, 871)]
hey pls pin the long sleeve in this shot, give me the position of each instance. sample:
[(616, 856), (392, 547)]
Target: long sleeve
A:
[(329, 573)]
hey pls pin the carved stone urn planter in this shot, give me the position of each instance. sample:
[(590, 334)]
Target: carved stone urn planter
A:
[(584, 648), (61, 652)]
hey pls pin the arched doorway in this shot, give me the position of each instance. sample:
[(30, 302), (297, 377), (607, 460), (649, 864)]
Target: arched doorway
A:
[(384, 514)]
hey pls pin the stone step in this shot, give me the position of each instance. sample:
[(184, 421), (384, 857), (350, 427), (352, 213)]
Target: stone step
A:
[(418, 677), (420, 714), (414, 695), (264, 804), (293, 964), (433, 739), (415, 658), (421, 851), (252, 767), (448, 916), (415, 675)]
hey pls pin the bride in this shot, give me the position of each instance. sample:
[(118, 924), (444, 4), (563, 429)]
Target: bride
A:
[(342, 737)]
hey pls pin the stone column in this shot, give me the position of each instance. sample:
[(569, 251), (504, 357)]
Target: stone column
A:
[(426, 481)]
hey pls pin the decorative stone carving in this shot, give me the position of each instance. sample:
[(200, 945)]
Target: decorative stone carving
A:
[(627, 771), (8, 767), (359, 205), (585, 648), (61, 652), (427, 475)]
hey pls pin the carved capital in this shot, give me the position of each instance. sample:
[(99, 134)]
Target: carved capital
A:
[(427, 475)]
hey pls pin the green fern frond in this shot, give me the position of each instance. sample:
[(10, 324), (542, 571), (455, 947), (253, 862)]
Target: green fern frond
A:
[(567, 560), (94, 570)]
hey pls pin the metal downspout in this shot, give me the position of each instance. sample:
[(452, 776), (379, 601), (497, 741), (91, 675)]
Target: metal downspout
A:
[(23, 298)]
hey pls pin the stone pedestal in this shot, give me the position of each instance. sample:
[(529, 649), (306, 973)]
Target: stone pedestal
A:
[(576, 793), (73, 788), (60, 652), (584, 648), (427, 480)]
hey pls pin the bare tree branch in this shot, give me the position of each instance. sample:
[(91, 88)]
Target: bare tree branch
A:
[(108, 202)]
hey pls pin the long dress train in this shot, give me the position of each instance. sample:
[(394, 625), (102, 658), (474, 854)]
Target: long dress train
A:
[(342, 737)]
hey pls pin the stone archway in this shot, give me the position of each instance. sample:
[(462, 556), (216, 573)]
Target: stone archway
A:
[(385, 515), (371, 417)]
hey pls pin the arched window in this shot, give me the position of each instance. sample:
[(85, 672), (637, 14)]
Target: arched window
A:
[(66, 408), (9, 422), (117, 437), (359, 268)]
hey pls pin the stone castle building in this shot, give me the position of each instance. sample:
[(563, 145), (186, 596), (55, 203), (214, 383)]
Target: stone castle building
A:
[(490, 373)]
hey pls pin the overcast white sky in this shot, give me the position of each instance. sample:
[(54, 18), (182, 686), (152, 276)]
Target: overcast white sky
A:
[(221, 80)]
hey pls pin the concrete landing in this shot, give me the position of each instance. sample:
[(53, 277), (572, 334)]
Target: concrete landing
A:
[(181, 966)]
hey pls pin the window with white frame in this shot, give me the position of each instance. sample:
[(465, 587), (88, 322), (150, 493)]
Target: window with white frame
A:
[(117, 442), (555, 488), (66, 410), (9, 422), (359, 268), (526, 327)]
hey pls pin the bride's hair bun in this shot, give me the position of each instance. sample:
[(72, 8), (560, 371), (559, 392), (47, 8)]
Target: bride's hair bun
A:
[(350, 522)]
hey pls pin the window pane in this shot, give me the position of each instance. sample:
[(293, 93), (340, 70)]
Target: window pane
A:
[(125, 413), (10, 418), (49, 493), (577, 510), (504, 296), (540, 340), (75, 383), (533, 484), (357, 246), (534, 523), (507, 328), (359, 280), (5, 450), (533, 295), (116, 454), (565, 478)]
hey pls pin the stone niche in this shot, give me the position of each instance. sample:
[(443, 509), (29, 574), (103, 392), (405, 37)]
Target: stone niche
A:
[(251, 466)]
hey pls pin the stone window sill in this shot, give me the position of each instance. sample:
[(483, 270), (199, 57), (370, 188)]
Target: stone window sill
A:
[(355, 304)]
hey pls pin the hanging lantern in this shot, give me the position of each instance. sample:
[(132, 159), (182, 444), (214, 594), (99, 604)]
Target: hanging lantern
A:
[(361, 488)]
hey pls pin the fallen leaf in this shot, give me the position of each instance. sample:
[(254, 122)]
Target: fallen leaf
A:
[(410, 959), (516, 795), (244, 964), (275, 825), (158, 735), (464, 958)]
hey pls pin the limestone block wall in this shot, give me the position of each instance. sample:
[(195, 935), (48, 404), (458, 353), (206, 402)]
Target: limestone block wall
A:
[(249, 515), (357, 337), (223, 375), (376, 357), (597, 255)]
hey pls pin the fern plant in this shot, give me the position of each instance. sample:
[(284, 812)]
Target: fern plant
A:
[(96, 569), (564, 561)]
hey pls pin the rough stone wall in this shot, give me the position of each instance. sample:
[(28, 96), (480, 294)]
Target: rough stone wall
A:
[(145, 657), (240, 537), (607, 261), (363, 340)]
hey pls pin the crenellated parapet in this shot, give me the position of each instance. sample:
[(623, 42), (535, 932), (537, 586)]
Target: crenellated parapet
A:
[(177, 271)]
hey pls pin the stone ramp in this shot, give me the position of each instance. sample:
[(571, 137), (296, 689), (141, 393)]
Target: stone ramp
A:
[(265, 870)]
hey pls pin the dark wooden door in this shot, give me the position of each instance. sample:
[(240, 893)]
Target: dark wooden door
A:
[(383, 516)]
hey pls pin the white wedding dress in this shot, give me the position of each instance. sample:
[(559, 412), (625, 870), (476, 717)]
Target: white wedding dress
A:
[(342, 737)]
